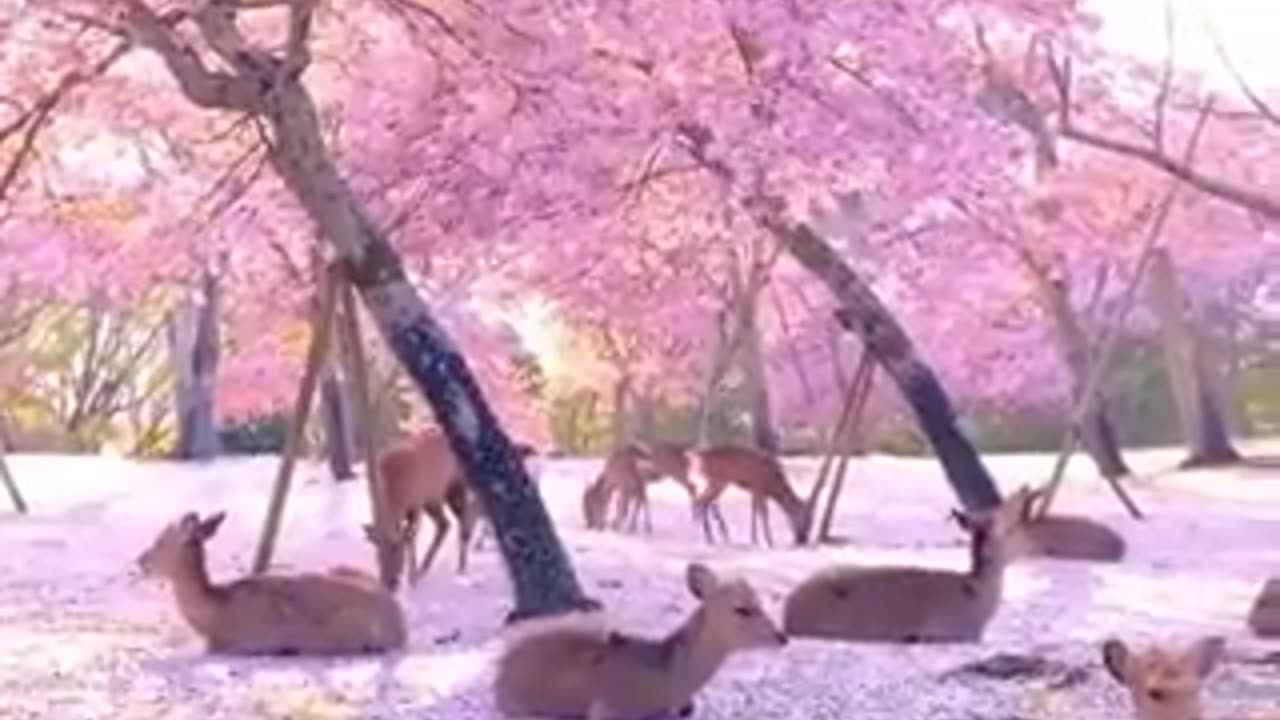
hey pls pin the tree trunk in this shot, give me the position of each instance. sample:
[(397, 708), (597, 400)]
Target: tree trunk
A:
[(621, 395), (751, 356), (194, 344), (1192, 373), (862, 312), (542, 578), (1096, 432), (335, 411)]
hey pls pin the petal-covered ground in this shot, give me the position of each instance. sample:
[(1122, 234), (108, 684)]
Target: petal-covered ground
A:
[(82, 636)]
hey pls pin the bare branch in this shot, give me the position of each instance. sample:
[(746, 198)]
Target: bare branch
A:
[(201, 86), (1264, 109), (297, 49), (1252, 200), (1166, 76)]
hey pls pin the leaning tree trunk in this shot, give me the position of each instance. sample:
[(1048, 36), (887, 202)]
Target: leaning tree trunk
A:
[(863, 312), (268, 85), (1096, 432), (335, 413), (194, 345), (1192, 374)]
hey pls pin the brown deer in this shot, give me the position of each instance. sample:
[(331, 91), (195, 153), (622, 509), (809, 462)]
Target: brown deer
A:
[(603, 675), (419, 474), (626, 471), (1163, 685), (340, 612), (912, 604), (1069, 537), (756, 472), (1264, 616)]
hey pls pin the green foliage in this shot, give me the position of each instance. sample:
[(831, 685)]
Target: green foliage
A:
[(256, 435)]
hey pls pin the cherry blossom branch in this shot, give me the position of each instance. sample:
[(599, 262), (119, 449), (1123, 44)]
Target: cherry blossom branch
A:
[(1261, 106), (1060, 71), (203, 87)]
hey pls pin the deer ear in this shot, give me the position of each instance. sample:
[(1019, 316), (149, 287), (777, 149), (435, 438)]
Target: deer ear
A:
[(208, 527), (701, 579), (1205, 654), (1115, 658)]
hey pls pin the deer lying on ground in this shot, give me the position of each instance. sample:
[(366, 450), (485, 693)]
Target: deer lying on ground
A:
[(336, 613), (602, 675), (912, 604), (1069, 537), (1264, 616), (419, 474), (1163, 685), (756, 472)]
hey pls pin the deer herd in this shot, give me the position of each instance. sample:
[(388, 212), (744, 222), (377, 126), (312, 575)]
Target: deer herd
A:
[(587, 670)]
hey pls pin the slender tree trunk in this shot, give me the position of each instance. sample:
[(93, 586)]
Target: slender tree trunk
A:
[(751, 356), (646, 425), (194, 344), (1096, 432), (335, 411), (621, 396), (1192, 373), (863, 312)]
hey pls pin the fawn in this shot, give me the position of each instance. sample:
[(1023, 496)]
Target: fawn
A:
[(912, 604), (419, 474), (1069, 537), (603, 675), (761, 475), (1264, 616), (1163, 685), (626, 471), (340, 612)]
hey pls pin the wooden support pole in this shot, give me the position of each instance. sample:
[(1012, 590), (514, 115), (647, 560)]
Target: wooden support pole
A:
[(358, 370), (828, 457), (321, 332), (860, 390), (6, 475)]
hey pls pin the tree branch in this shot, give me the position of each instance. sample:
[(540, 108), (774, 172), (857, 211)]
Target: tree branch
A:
[(201, 86), (1252, 200)]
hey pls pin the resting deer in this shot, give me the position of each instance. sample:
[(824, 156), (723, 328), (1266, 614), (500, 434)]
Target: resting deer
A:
[(419, 474), (1163, 685), (1069, 537), (340, 612), (912, 604), (761, 475), (603, 675), (1264, 616)]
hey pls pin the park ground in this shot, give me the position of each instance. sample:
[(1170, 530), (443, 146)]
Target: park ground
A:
[(82, 636)]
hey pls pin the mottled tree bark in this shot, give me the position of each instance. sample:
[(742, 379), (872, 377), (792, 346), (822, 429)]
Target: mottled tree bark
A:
[(194, 345), (862, 312), (1192, 373), (763, 432), (268, 85)]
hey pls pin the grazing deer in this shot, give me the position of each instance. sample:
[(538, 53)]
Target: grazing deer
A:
[(1264, 616), (1163, 685), (340, 612), (626, 471), (911, 604), (761, 475), (602, 675), (419, 474)]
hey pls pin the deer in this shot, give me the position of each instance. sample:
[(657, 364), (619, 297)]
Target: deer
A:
[(661, 461), (761, 475), (895, 604), (1264, 616), (599, 674), (1163, 684), (626, 471), (1069, 537), (341, 612), (419, 474)]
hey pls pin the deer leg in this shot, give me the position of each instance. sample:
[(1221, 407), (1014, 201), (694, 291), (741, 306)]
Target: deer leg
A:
[(755, 518), (441, 521), (764, 521), (714, 510), (413, 523)]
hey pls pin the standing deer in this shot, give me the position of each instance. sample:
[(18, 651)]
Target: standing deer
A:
[(1163, 685), (419, 474), (756, 472), (603, 675), (340, 612), (911, 604), (626, 471)]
